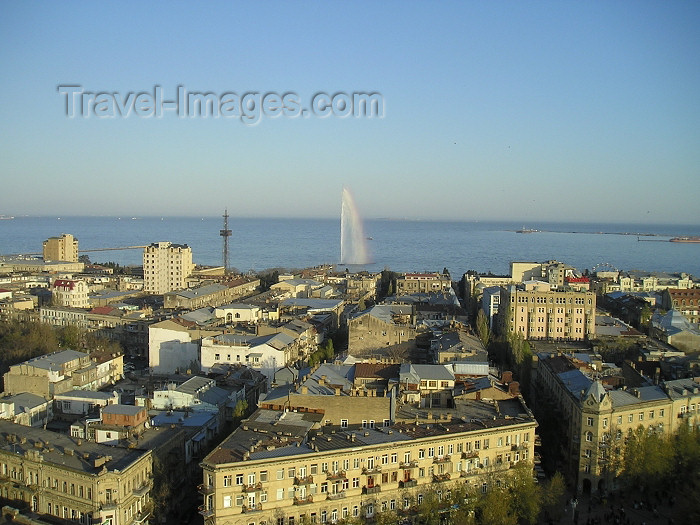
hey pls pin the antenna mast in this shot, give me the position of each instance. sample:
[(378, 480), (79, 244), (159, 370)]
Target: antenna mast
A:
[(225, 233)]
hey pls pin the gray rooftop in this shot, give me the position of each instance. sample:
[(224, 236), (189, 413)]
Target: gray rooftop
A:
[(55, 360), (63, 450)]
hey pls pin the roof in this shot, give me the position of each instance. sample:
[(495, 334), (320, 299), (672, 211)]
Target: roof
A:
[(24, 400), (62, 450), (124, 410), (386, 312), (193, 293), (377, 370), (426, 372), (55, 360), (313, 304)]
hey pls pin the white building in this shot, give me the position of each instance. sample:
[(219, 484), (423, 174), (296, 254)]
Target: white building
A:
[(239, 313), (174, 345), (166, 267), (264, 353), (71, 293)]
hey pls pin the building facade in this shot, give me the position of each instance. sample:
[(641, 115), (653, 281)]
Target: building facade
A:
[(323, 474), (535, 311), (69, 479), (63, 248), (166, 267)]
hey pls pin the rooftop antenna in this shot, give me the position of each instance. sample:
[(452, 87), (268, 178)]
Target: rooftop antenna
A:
[(225, 233)]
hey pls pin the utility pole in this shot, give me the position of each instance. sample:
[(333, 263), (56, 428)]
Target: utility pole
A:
[(225, 233)]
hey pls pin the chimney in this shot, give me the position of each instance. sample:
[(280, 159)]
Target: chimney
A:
[(337, 391), (304, 389)]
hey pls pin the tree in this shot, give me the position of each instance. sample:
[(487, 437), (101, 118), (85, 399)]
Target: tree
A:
[(494, 507), (648, 457), (361, 306), (552, 493), (482, 328), (526, 497), (240, 410)]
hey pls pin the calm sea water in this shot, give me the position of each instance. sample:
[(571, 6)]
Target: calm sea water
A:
[(401, 245)]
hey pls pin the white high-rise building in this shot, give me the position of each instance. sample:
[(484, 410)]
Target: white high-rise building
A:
[(166, 266)]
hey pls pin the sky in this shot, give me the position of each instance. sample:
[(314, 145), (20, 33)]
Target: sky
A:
[(549, 111)]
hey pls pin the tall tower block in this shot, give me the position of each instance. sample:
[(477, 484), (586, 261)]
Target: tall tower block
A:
[(225, 233)]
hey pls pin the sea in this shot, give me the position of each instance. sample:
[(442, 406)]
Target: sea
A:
[(400, 245)]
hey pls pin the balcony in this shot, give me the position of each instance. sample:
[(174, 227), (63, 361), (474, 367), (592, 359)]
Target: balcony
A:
[(255, 508), (375, 489), (110, 505), (410, 464), (443, 459), (303, 501), (473, 454), (252, 488), (337, 495), (307, 480), (145, 487), (439, 478), (204, 511), (205, 489), (408, 483), (335, 475), (371, 471)]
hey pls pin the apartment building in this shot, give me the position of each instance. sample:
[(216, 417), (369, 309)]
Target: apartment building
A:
[(63, 248), (166, 267), (285, 467), (71, 293), (72, 479), (412, 283), (382, 326), (686, 301), (63, 371), (535, 311), (595, 416)]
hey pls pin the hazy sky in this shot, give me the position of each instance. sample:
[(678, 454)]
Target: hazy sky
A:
[(493, 110)]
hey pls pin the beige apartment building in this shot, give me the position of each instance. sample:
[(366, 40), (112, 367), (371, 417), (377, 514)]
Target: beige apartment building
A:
[(63, 248), (595, 417), (166, 267), (72, 479), (412, 283), (71, 293), (284, 467), (536, 311)]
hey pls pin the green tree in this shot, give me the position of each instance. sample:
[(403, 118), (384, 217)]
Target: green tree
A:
[(552, 495), (361, 306), (482, 328), (494, 507), (648, 457), (240, 410), (526, 497)]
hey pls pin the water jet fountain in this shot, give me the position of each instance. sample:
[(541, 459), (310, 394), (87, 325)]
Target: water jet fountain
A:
[(353, 245)]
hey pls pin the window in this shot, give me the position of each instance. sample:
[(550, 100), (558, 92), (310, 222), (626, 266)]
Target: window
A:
[(641, 416), (630, 418), (421, 453), (280, 474), (431, 452), (228, 501), (619, 420), (343, 423), (394, 458), (263, 476), (228, 480), (589, 436), (280, 494), (239, 479), (589, 421), (661, 412)]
